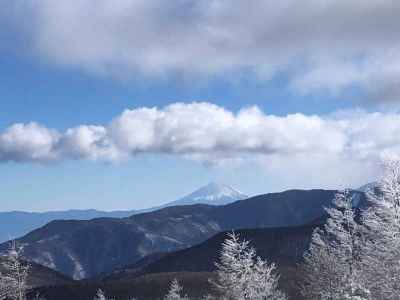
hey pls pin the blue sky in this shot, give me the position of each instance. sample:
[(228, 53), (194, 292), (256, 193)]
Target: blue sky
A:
[(278, 109), (63, 98)]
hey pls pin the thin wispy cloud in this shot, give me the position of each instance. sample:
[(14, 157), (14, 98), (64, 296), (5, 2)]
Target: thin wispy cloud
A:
[(321, 45)]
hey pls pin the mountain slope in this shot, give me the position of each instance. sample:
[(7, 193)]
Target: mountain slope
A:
[(15, 224), (368, 187), (41, 276), (194, 266), (83, 249), (87, 248), (284, 246)]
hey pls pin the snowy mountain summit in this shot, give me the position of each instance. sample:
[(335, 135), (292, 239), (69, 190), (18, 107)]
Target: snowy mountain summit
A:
[(213, 194)]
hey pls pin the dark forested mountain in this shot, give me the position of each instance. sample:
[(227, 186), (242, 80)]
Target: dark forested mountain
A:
[(150, 277), (85, 249), (146, 287), (284, 246)]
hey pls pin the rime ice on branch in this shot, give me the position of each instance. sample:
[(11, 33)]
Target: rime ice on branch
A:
[(241, 275), (13, 283)]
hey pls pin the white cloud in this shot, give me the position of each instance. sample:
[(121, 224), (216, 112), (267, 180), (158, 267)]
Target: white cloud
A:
[(322, 45), (88, 142), (28, 142), (306, 150)]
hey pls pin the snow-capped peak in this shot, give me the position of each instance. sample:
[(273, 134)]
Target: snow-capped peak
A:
[(212, 193)]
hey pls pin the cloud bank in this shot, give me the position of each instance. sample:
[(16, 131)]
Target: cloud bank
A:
[(320, 45), (209, 133)]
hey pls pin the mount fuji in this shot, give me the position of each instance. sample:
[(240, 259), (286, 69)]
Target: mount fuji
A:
[(212, 194), (14, 224)]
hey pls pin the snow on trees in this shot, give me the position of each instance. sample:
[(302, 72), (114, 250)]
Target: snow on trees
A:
[(100, 295), (382, 257), (242, 275), (354, 256), (175, 292), (333, 266), (13, 282)]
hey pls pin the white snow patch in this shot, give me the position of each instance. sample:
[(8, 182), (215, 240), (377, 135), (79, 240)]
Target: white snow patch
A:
[(79, 271)]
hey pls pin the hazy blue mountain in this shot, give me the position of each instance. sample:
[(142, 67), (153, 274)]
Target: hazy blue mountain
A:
[(15, 224), (83, 249)]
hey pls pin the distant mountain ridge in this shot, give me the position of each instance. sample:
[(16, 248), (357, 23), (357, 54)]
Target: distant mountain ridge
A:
[(15, 224), (84, 249)]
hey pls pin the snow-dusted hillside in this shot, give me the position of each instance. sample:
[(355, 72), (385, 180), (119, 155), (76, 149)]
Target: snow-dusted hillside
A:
[(368, 187)]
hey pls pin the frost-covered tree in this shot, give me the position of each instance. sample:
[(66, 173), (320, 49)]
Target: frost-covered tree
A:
[(13, 281), (241, 275), (5, 287), (333, 266), (383, 243), (100, 295), (175, 292)]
